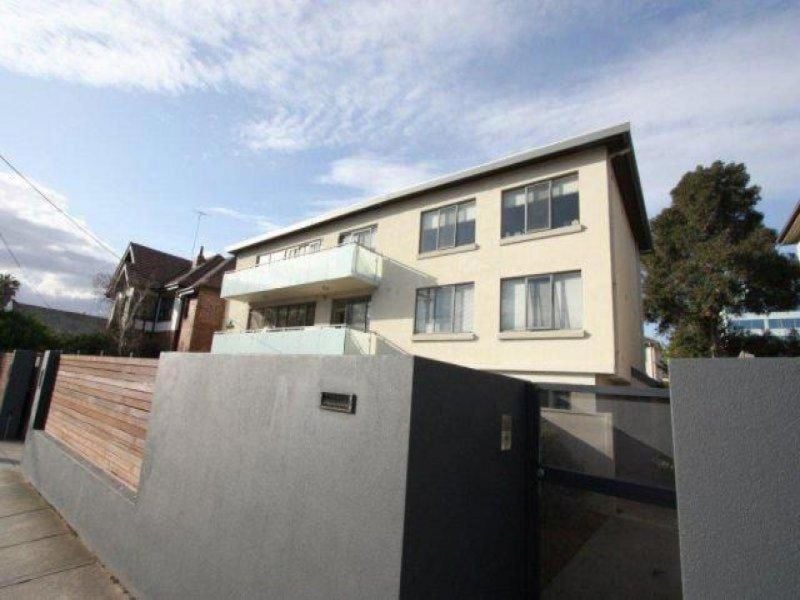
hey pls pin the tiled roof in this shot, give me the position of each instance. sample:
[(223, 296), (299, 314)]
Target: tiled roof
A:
[(155, 267), (208, 273)]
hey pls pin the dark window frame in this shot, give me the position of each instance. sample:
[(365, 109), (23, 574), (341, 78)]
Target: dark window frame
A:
[(454, 286), (309, 307), (528, 189), (526, 279), (454, 205)]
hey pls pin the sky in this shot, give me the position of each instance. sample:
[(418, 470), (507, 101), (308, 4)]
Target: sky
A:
[(132, 115)]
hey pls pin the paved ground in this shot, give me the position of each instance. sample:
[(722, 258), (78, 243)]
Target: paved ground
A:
[(40, 558)]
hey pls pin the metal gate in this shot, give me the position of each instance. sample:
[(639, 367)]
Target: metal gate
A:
[(607, 518)]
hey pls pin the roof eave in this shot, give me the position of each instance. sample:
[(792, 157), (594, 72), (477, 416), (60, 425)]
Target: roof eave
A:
[(790, 234), (602, 137)]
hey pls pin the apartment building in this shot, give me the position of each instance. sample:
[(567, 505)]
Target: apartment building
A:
[(526, 266)]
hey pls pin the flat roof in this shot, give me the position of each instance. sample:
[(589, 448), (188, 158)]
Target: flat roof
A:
[(617, 139), (790, 234)]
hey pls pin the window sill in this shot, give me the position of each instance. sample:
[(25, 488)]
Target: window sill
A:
[(538, 235), (546, 334), (443, 337), (446, 251)]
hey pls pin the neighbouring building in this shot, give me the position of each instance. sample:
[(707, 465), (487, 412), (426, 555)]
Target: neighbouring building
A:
[(780, 323), (172, 301), (526, 266), (60, 321), (654, 364)]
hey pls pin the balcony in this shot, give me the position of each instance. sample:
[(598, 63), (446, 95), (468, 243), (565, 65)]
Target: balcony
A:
[(343, 269), (332, 340)]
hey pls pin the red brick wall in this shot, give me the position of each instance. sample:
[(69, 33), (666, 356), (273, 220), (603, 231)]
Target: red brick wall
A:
[(204, 316)]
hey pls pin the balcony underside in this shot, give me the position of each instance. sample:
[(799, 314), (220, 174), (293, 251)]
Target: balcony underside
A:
[(339, 270)]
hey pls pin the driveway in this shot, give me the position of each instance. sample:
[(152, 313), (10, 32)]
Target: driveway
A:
[(40, 557)]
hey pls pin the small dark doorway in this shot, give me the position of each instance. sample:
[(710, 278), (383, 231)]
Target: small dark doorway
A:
[(353, 312)]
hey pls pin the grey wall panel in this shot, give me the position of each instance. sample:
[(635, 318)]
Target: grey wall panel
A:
[(737, 463), (249, 489), (468, 521)]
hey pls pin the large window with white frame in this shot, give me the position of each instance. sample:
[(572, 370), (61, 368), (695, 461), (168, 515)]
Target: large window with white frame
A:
[(542, 302), (447, 227), (364, 236), (540, 206), (444, 309), (290, 252)]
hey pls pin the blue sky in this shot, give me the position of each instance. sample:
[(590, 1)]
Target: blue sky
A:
[(132, 114)]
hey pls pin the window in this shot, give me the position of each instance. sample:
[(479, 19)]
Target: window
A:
[(364, 237), (165, 305), (790, 323), (353, 312), (275, 317), (291, 252), (555, 399), (447, 227), (542, 302), (445, 309), (748, 324), (543, 205)]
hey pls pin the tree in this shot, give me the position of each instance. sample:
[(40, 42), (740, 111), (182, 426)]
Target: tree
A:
[(9, 286), (21, 331), (128, 305), (712, 256)]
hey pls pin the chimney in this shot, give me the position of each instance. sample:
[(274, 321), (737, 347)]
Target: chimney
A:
[(199, 259)]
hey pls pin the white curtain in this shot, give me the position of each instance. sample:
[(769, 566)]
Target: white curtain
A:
[(512, 304), (462, 319), (539, 303), (443, 310), (568, 301), (565, 185), (424, 317)]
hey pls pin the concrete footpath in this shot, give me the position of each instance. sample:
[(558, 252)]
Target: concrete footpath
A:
[(40, 557)]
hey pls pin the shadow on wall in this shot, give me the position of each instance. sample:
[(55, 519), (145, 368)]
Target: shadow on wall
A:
[(624, 439), (397, 293)]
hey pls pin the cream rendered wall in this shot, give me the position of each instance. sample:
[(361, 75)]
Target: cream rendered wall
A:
[(628, 309), (588, 250)]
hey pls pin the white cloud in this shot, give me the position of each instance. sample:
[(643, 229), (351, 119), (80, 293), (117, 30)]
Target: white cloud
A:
[(707, 91), (261, 222), (59, 260), (375, 176), (399, 79)]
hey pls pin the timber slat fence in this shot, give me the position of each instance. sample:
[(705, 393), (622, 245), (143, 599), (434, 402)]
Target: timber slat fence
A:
[(100, 409)]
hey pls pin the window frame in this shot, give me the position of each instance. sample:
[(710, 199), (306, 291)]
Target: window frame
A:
[(286, 249), (528, 188), (526, 279), (438, 210), (306, 305), (454, 286), (372, 228)]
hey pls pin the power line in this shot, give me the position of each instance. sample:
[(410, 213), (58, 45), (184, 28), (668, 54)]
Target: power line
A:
[(19, 266), (72, 219)]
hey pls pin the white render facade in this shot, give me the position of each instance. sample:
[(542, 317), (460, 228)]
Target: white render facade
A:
[(526, 266)]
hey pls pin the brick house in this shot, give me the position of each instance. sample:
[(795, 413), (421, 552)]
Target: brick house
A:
[(172, 302)]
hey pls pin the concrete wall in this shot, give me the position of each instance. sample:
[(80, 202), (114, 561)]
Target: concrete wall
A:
[(578, 357), (736, 435), (250, 490)]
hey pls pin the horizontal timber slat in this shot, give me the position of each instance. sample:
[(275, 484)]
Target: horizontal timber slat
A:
[(100, 409)]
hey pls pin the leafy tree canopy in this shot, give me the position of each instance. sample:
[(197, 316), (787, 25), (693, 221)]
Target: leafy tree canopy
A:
[(712, 256)]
